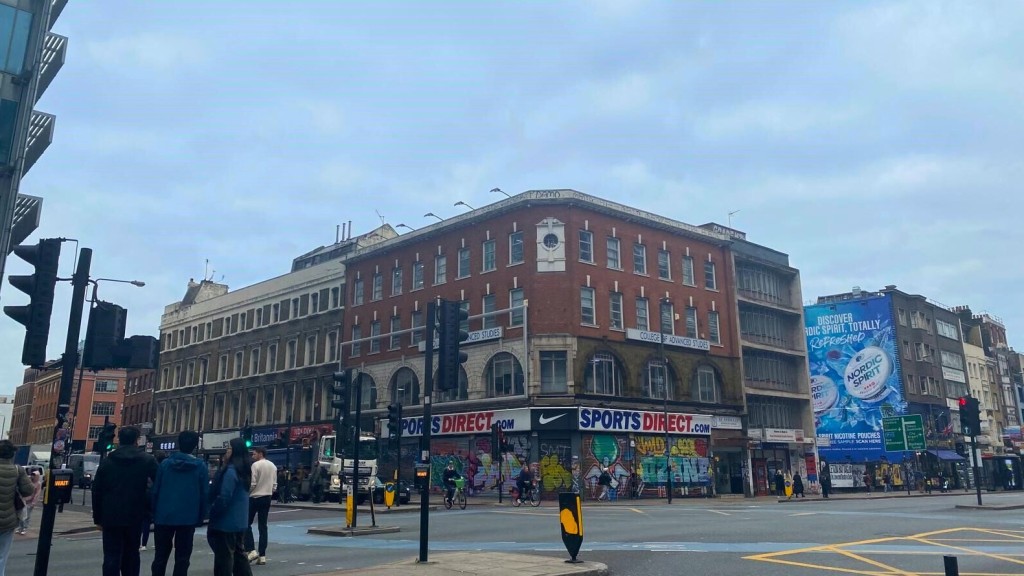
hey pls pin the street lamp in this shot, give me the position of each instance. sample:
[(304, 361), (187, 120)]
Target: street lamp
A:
[(461, 203), (665, 313), (500, 191), (434, 215), (405, 226)]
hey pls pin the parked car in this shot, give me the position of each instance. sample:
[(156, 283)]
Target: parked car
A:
[(403, 496)]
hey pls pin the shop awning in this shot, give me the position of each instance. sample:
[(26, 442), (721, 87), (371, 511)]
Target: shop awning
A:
[(946, 455)]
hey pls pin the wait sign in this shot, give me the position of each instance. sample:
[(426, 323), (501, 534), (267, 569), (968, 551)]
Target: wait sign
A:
[(903, 433)]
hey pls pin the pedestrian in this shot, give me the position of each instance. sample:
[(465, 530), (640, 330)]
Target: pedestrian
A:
[(798, 486), (788, 485), (228, 513), (825, 479), (14, 485), (25, 515), (780, 484), (867, 481), (605, 482), (887, 481), (119, 502), (180, 502), (262, 486)]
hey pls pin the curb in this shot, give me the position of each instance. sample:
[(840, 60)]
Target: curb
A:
[(994, 507), (351, 532), (81, 530)]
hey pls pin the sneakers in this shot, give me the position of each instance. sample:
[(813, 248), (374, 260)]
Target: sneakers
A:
[(21, 532), (262, 560), (142, 548), (252, 556)]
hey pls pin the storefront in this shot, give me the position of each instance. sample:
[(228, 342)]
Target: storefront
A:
[(166, 444), (1002, 472), (781, 450)]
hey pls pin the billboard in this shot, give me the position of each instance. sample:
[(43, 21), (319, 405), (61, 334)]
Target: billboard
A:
[(855, 377)]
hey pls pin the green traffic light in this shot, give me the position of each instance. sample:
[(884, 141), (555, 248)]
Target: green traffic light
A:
[(248, 443)]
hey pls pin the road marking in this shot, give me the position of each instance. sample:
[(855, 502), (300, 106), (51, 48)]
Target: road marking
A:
[(638, 511), (858, 557), (720, 512), (804, 514)]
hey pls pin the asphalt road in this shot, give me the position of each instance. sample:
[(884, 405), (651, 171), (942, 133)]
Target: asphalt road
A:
[(742, 537)]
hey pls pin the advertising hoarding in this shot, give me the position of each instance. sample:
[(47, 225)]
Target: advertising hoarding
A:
[(856, 379)]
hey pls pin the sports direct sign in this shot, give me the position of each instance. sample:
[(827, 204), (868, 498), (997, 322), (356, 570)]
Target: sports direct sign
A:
[(604, 420), (517, 420)]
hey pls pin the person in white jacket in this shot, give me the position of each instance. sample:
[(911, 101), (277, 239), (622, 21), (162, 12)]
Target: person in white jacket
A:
[(264, 482)]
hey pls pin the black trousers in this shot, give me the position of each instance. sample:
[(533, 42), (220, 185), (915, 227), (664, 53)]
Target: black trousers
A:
[(121, 550), (259, 508), (179, 538), (229, 557)]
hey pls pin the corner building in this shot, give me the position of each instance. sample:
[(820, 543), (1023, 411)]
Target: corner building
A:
[(570, 299)]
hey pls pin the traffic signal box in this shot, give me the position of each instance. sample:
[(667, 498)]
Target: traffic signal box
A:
[(45, 257), (341, 392), (58, 489), (970, 416), (394, 421), (450, 336)]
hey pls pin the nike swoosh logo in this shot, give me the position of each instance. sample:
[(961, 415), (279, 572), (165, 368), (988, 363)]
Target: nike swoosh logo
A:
[(545, 420)]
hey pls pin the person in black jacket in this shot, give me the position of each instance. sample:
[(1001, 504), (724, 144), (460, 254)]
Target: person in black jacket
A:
[(448, 479), (120, 502)]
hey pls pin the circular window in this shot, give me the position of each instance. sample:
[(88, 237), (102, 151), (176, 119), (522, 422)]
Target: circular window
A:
[(550, 241)]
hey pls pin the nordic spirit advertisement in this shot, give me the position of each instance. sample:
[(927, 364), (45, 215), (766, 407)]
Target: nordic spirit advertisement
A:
[(855, 377)]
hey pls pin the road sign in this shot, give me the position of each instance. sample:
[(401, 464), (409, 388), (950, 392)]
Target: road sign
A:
[(902, 433)]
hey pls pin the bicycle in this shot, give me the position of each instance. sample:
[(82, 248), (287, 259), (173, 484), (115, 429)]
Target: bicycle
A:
[(532, 492), (459, 496)]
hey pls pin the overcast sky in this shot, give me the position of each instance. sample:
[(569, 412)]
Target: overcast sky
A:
[(876, 143)]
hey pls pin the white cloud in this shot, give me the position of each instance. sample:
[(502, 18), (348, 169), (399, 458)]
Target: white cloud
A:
[(155, 51)]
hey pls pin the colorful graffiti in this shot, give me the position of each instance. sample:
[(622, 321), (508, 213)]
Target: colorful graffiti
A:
[(555, 464), (688, 457), (472, 459)]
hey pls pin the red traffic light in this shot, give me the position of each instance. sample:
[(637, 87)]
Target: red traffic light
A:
[(963, 401)]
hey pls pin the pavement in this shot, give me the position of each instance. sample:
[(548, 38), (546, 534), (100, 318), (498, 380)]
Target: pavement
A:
[(489, 564)]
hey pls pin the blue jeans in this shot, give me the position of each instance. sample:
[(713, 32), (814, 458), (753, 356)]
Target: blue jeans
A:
[(5, 549)]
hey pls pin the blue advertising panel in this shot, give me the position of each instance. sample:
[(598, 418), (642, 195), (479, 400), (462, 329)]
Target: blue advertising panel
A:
[(855, 377)]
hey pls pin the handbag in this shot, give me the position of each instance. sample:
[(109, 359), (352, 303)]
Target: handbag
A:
[(19, 503)]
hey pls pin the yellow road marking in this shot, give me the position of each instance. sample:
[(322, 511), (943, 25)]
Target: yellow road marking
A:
[(638, 511), (1002, 533), (967, 550), (877, 564)]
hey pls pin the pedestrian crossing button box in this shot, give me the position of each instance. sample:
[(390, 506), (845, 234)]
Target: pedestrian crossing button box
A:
[(59, 489)]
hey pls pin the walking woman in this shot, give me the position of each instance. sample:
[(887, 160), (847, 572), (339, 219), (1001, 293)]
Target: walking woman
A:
[(229, 514), (30, 502), (14, 485)]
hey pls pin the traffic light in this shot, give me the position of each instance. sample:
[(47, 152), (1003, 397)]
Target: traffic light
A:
[(44, 256), (451, 335), (495, 443), (970, 416), (341, 392), (103, 336), (105, 441), (394, 421), (247, 436)]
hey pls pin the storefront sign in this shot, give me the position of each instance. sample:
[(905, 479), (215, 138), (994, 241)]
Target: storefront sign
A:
[(554, 418), (516, 420), (726, 423), (310, 435), (783, 435), (218, 440), (670, 339), (954, 375), (601, 419), (264, 436), (474, 337), (165, 443)]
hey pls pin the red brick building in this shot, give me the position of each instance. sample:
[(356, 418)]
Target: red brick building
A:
[(567, 296)]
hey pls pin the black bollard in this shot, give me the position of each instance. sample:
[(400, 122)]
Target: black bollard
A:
[(950, 564)]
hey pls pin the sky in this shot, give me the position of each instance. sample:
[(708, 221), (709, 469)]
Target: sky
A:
[(875, 143)]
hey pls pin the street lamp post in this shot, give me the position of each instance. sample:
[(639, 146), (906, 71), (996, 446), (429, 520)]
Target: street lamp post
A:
[(664, 393), (461, 203)]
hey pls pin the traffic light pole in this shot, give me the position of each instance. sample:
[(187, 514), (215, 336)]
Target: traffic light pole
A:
[(67, 379), (428, 390), (358, 383), (974, 464), (398, 459)]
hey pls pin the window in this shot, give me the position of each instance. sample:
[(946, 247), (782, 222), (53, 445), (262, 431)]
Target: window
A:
[(357, 345), (314, 302), (15, 28), (378, 286), (664, 268), (417, 327), (952, 360), (106, 385), (616, 311), (103, 408), (222, 367), (603, 375), (375, 337), (614, 259), (489, 305), (396, 339), (691, 322), (292, 354), (357, 292), (553, 372), (417, 275), (272, 358), (656, 379), (396, 281), (310, 351), (440, 269), (764, 328), (94, 431), (464, 323), (907, 354), (714, 333), (295, 312), (336, 295), (275, 313), (688, 277), (490, 259), (332, 347), (902, 314), (709, 276), (639, 259), (8, 118), (666, 317), (769, 370), (587, 306), (504, 376), (515, 248), (925, 390), (642, 319), (515, 301), (259, 320), (254, 361), (463, 263), (586, 246), (947, 330), (405, 387), (707, 389), (919, 352)]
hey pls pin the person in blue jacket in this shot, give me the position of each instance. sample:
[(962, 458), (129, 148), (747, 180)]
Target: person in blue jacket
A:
[(229, 513), (180, 503)]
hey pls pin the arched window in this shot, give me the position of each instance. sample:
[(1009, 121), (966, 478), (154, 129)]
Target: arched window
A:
[(460, 393), (604, 375), (655, 374), (706, 385), (369, 391), (504, 376), (405, 387)]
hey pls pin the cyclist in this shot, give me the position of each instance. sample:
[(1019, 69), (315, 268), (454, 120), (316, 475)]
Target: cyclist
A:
[(448, 478), (524, 482)]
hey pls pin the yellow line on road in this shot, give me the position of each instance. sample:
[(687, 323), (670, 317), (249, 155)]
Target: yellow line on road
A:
[(875, 563), (1001, 533), (638, 511), (815, 566), (966, 550)]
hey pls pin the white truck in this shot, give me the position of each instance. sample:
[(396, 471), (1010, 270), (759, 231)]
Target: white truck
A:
[(336, 459)]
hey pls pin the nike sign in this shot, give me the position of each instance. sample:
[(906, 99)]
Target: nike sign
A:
[(544, 420)]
